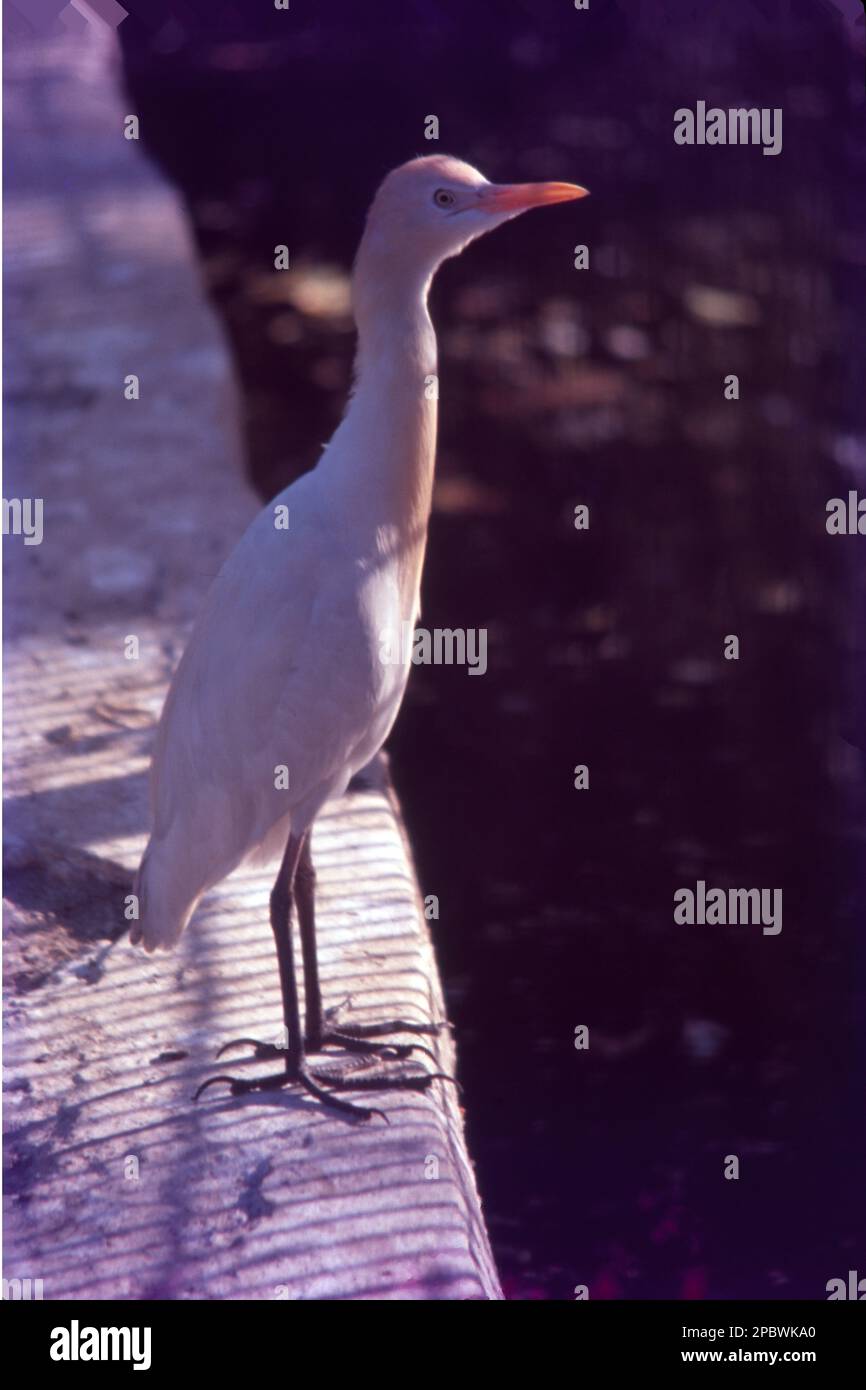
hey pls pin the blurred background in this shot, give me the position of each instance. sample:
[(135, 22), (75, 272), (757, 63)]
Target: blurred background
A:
[(602, 387)]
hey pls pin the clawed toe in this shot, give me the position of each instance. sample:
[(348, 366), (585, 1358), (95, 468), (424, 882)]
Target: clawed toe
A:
[(322, 1084), (366, 1041), (349, 1042), (388, 1080), (382, 1029), (243, 1086)]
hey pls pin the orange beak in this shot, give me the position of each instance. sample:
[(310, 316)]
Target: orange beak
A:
[(518, 197)]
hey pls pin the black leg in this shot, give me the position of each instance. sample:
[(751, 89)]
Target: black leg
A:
[(349, 1037), (282, 902), (296, 886), (286, 891), (295, 1068), (305, 898), (282, 895)]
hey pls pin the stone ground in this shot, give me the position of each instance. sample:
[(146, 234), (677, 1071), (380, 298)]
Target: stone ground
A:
[(116, 1185)]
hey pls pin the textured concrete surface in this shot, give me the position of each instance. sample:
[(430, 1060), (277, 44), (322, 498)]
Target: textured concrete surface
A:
[(116, 1185)]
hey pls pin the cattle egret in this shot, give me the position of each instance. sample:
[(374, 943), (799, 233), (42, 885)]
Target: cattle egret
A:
[(283, 668)]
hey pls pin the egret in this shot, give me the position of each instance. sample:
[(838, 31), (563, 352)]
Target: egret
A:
[(283, 667)]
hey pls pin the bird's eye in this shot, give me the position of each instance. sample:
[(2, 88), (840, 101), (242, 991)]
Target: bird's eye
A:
[(443, 199)]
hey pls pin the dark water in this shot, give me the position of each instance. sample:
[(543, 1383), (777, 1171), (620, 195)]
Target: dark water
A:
[(558, 387)]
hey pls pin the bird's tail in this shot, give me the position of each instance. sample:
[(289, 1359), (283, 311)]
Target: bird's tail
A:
[(163, 907)]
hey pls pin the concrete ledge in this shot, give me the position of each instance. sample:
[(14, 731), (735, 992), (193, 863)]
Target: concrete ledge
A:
[(117, 1185)]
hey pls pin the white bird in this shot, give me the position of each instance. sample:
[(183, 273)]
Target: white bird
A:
[(283, 667)]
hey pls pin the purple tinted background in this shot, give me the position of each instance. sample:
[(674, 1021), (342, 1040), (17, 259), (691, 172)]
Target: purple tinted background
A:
[(558, 387)]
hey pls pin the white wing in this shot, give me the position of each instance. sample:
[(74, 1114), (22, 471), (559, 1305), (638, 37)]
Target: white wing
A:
[(281, 671)]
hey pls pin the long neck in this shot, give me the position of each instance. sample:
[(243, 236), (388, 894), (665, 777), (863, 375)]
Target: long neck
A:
[(392, 414)]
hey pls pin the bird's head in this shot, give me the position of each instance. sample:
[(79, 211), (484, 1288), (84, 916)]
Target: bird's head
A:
[(431, 208)]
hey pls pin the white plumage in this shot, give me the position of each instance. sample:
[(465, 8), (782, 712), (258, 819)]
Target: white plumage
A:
[(281, 671), (283, 667)]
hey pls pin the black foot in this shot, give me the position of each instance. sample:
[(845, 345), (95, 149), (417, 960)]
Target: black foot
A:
[(315, 1082), (359, 1037), (337, 1037), (350, 1041), (378, 1030), (241, 1086)]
